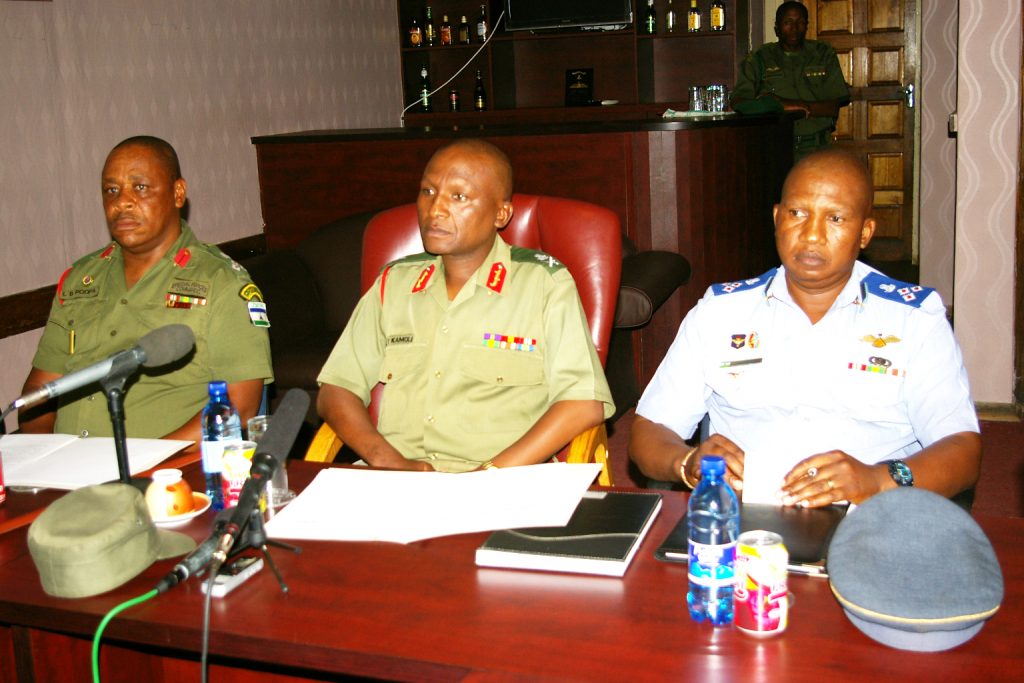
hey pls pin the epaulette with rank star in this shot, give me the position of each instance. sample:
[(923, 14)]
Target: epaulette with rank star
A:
[(744, 285), (884, 287), (524, 255)]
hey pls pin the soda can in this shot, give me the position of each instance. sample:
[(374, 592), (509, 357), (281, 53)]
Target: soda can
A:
[(3, 491), (761, 596)]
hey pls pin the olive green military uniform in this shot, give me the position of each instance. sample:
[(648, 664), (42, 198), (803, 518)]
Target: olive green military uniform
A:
[(94, 316), (464, 379), (810, 75)]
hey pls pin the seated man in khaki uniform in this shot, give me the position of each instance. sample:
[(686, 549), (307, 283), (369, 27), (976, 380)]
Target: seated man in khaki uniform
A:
[(154, 273), (483, 349)]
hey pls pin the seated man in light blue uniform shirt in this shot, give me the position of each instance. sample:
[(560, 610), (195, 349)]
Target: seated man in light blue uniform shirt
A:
[(853, 376)]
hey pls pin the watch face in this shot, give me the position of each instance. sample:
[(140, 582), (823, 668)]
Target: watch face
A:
[(900, 472)]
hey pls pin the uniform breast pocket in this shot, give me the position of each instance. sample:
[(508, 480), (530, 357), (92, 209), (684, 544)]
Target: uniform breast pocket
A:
[(875, 392), (87, 338), (504, 391), (745, 384), (403, 378)]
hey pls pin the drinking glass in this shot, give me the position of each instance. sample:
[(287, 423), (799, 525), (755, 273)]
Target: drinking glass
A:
[(278, 493)]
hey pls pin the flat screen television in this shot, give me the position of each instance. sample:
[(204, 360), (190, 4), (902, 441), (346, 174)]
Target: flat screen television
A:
[(533, 15)]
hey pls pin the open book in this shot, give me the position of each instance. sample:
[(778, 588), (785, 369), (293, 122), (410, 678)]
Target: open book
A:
[(65, 461)]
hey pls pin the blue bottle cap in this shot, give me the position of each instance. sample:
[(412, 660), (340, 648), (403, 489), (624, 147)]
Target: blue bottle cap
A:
[(712, 464), (217, 387)]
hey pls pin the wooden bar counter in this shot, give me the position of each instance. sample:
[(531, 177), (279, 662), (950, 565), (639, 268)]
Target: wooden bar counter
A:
[(701, 187)]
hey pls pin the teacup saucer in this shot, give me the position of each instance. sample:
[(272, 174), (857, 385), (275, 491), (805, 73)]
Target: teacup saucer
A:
[(200, 504)]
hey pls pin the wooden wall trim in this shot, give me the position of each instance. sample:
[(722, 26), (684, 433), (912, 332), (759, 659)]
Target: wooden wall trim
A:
[(28, 310)]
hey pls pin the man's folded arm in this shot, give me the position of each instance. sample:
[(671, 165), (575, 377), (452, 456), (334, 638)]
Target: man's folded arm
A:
[(41, 418), (349, 418)]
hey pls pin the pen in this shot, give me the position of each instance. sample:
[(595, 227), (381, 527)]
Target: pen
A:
[(807, 570)]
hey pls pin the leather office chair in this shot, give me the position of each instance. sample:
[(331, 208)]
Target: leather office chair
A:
[(583, 236)]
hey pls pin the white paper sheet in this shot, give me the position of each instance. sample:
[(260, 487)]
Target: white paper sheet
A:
[(63, 461), (763, 474), (356, 504)]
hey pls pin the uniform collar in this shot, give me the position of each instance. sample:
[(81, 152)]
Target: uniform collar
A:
[(186, 239), (850, 294)]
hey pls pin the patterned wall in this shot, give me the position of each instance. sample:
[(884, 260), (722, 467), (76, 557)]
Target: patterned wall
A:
[(77, 76), (937, 150), (988, 106)]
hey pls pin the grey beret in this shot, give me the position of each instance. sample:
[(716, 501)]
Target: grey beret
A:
[(914, 571)]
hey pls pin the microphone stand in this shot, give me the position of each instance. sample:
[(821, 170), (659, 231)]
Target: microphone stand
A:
[(254, 535), (113, 386)]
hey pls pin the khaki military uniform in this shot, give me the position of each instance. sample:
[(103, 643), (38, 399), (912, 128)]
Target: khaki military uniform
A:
[(94, 316), (810, 75), (464, 379)]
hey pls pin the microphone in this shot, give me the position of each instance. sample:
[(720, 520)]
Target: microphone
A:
[(157, 348), (279, 438), (271, 451)]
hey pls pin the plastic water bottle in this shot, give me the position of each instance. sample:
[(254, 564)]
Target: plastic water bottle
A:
[(221, 426), (713, 518)]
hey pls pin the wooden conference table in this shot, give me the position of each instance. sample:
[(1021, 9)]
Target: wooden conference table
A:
[(425, 612)]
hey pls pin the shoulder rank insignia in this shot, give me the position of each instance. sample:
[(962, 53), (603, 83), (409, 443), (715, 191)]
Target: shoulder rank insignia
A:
[(182, 258), (496, 278), (424, 279), (60, 285), (524, 255), (876, 284), (743, 285), (251, 293)]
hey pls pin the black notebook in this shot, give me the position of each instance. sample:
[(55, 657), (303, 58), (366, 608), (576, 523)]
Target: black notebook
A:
[(806, 532), (602, 537)]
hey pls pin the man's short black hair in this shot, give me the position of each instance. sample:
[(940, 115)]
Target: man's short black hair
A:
[(791, 4), (161, 148)]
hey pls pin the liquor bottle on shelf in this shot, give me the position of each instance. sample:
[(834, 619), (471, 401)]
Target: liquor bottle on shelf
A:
[(463, 31), (650, 25), (429, 32), (479, 93), (693, 18), (446, 31), (426, 105), (717, 15), (481, 25), (415, 34), (670, 18), (453, 100)]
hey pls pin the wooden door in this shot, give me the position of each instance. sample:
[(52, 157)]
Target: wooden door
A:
[(877, 45)]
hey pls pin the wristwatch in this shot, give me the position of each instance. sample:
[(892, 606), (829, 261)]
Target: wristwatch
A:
[(900, 472)]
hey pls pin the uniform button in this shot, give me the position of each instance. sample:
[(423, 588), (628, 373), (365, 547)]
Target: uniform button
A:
[(389, 375), (499, 379), (113, 333), (124, 301), (430, 419), (85, 433), (437, 373), (432, 456), (91, 398), (444, 329)]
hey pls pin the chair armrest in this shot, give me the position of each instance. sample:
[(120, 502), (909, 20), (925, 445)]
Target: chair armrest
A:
[(325, 445), (648, 279), (592, 446)]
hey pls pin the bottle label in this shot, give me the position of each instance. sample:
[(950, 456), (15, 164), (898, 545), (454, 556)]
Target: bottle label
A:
[(415, 38), (717, 18), (713, 566), (694, 21), (212, 452)]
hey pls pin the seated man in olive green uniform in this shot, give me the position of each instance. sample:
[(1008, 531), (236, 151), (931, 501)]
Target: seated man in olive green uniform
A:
[(483, 349), (794, 74), (154, 273)]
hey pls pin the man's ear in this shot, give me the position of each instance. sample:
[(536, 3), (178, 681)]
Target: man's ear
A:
[(180, 192), (503, 216), (867, 231)]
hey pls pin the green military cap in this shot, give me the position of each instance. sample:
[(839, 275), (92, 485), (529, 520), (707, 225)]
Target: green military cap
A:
[(96, 538)]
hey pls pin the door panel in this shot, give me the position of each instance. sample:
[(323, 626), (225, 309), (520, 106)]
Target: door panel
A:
[(876, 42)]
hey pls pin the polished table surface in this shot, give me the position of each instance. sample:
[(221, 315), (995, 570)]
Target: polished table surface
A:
[(424, 611)]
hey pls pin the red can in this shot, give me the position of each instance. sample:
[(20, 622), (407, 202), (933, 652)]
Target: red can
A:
[(3, 491), (761, 595)]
